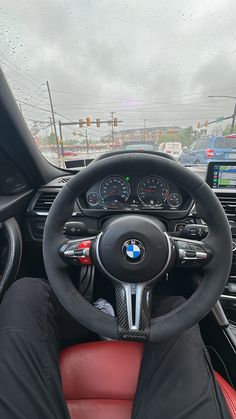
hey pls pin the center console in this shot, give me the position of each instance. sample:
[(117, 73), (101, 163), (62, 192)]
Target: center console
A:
[(221, 177)]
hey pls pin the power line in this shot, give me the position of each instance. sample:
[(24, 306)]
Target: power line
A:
[(157, 109), (23, 89), (85, 94), (43, 109), (21, 85), (99, 107), (197, 95), (152, 98), (33, 106), (19, 69)]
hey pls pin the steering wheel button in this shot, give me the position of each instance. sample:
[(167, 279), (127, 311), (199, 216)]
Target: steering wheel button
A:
[(183, 245), (201, 255), (85, 260), (190, 254), (196, 247), (78, 252), (86, 244)]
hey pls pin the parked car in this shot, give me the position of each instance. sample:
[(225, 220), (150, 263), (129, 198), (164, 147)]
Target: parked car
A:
[(69, 153), (173, 148), (209, 149)]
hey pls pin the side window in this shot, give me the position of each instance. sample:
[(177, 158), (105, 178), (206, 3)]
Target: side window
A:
[(220, 142)]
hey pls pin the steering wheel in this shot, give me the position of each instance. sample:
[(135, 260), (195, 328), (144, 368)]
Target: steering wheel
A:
[(135, 252), (12, 259)]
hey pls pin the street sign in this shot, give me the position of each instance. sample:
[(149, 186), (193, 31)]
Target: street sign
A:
[(220, 119)]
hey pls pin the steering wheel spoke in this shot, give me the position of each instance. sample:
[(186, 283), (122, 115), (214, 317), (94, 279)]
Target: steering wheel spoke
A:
[(191, 253), (133, 306), (78, 252)]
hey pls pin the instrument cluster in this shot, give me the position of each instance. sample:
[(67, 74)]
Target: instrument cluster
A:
[(135, 192)]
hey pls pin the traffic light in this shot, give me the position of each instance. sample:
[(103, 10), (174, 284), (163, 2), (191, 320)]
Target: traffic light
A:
[(74, 133), (98, 122), (198, 125), (81, 123), (115, 122), (206, 124), (88, 121)]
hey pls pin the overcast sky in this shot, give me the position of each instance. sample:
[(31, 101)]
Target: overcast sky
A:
[(143, 59)]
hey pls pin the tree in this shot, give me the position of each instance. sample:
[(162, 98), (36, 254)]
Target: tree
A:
[(51, 139), (186, 137), (227, 130)]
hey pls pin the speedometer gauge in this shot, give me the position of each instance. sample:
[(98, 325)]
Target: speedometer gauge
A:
[(114, 189), (93, 198), (153, 191), (175, 200)]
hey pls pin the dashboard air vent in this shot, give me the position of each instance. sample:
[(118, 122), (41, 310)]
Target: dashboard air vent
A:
[(228, 202), (63, 180), (45, 201)]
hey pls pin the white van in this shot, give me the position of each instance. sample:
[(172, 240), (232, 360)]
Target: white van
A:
[(174, 149)]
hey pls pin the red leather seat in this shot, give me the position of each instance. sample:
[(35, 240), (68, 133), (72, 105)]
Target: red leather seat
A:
[(100, 380)]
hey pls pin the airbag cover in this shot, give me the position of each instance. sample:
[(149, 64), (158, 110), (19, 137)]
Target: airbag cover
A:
[(133, 249)]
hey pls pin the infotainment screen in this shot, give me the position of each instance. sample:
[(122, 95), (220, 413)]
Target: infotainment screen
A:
[(222, 175)]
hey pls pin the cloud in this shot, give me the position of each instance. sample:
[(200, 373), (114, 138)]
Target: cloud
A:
[(140, 58)]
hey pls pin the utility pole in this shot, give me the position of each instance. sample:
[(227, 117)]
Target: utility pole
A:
[(233, 119), (61, 139), (53, 118), (112, 127), (87, 142)]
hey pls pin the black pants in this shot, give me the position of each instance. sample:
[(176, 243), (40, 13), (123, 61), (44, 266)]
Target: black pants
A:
[(176, 379)]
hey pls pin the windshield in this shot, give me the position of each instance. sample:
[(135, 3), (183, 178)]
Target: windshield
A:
[(89, 76)]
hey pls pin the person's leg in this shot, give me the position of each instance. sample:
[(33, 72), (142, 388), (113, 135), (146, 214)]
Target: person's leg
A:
[(176, 379), (30, 384)]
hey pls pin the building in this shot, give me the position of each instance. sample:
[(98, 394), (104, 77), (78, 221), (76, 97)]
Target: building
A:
[(146, 134)]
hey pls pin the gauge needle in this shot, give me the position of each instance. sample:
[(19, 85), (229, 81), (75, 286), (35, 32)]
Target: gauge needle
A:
[(148, 190), (112, 191)]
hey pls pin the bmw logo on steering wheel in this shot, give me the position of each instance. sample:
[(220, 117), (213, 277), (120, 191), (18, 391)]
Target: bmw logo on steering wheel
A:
[(133, 250)]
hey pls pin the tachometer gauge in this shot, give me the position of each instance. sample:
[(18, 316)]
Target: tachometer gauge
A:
[(153, 191), (114, 189), (175, 200), (93, 198)]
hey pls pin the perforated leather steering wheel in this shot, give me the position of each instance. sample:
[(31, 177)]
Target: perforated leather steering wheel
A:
[(157, 253)]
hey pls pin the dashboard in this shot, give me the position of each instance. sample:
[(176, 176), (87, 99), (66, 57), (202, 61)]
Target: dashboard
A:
[(135, 192)]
